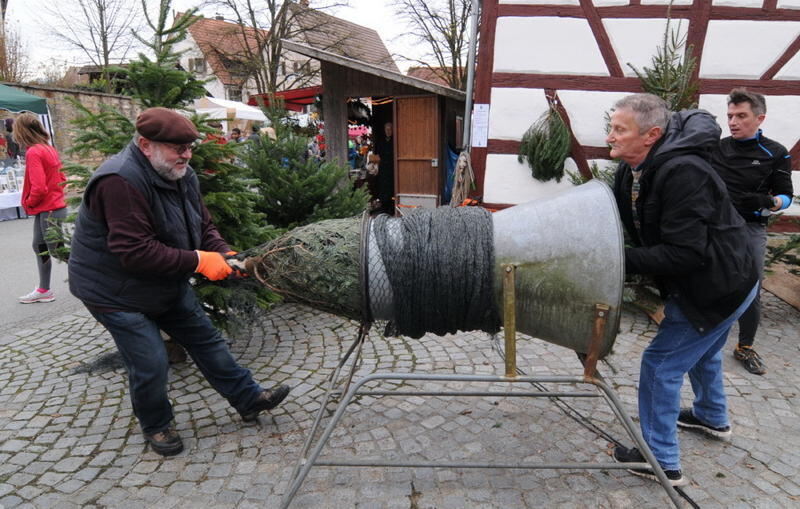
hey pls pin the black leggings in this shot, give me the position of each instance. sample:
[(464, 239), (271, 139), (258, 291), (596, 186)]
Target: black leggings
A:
[(41, 246)]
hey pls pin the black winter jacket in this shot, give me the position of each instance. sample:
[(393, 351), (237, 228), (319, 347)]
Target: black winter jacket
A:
[(759, 165), (691, 239)]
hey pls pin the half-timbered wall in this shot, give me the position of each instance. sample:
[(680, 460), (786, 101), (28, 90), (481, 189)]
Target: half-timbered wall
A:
[(579, 51)]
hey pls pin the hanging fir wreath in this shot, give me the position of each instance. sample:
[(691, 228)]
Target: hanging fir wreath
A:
[(545, 145)]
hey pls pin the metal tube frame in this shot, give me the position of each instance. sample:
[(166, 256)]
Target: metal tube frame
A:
[(590, 376)]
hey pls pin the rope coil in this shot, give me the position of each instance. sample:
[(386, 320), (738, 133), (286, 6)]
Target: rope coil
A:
[(442, 271)]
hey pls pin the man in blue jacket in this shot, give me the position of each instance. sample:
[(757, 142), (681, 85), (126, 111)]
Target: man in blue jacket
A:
[(141, 233), (689, 238), (758, 174)]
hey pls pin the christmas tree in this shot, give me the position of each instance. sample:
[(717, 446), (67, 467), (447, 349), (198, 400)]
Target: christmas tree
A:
[(295, 188)]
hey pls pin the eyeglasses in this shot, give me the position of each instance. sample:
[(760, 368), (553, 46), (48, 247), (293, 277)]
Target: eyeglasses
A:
[(180, 149)]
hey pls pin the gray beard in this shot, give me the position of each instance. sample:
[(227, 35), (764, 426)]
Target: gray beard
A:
[(164, 169)]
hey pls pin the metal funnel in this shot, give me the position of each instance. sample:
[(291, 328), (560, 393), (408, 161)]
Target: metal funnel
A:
[(568, 253)]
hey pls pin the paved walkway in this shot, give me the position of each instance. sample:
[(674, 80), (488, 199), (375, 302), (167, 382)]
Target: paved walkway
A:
[(68, 438)]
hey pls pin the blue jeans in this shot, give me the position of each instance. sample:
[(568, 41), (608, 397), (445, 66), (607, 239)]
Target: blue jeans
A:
[(677, 349), (139, 341)]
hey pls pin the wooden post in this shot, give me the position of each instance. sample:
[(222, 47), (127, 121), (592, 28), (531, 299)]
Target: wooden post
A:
[(334, 111)]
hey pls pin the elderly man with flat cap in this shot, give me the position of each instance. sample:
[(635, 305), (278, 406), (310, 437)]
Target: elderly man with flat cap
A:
[(141, 232)]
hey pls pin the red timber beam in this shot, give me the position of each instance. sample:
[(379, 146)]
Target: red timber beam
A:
[(696, 36), (601, 36), (633, 85), (483, 83), (790, 52), (637, 11)]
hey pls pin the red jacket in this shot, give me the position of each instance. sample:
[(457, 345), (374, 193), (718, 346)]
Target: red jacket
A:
[(43, 190)]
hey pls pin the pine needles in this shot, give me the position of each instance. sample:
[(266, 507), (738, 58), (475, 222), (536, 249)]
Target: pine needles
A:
[(317, 264), (670, 74), (546, 146)]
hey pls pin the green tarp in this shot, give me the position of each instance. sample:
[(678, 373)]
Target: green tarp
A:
[(15, 100)]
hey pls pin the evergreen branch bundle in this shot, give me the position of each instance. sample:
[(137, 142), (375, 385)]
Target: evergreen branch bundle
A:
[(546, 145)]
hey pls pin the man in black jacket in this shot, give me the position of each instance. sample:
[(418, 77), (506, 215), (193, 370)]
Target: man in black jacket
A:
[(758, 174), (141, 233), (689, 238)]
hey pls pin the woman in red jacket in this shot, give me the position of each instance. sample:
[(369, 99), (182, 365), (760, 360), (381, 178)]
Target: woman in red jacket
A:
[(42, 196)]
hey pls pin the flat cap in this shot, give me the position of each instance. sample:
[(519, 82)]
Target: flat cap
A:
[(162, 124)]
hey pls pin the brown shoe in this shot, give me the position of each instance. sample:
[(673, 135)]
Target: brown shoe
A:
[(267, 400), (165, 443)]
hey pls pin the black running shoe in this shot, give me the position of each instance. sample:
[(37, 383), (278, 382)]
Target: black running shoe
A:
[(750, 360), (686, 419), (267, 400), (633, 455)]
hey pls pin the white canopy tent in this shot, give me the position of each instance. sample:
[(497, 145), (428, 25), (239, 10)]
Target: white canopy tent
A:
[(236, 114)]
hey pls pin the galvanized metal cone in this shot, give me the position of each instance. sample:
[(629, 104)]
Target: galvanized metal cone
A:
[(568, 253)]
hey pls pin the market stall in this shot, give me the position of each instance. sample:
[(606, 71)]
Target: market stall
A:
[(230, 113), (12, 171)]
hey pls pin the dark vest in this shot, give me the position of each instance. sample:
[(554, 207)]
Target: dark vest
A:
[(96, 276)]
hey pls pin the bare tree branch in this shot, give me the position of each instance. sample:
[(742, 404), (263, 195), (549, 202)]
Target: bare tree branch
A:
[(102, 30), (441, 27), (15, 62)]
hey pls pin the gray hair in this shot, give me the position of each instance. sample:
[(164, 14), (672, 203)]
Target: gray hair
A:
[(757, 101), (648, 111)]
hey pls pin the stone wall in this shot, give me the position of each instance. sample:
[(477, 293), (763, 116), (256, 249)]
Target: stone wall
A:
[(62, 112)]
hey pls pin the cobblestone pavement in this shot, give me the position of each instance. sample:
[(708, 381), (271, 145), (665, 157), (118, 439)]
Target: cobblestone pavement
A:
[(68, 438)]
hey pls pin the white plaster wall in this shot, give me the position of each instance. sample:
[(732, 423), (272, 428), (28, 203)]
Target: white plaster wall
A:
[(635, 41), (513, 111), (665, 2), (780, 124), (739, 3), (509, 181), (790, 71), (605, 3), (744, 49), (794, 208), (788, 4), (547, 45), (586, 112)]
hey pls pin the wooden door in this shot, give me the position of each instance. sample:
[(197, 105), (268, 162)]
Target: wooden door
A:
[(418, 175)]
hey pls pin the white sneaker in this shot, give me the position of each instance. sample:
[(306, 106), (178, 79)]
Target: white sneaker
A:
[(37, 296)]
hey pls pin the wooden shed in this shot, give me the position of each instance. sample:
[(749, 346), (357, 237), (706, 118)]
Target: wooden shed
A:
[(427, 120)]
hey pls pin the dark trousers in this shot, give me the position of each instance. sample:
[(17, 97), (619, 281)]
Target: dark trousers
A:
[(43, 245), (138, 339), (748, 323)]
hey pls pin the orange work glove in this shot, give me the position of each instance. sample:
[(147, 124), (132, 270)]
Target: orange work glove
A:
[(212, 265)]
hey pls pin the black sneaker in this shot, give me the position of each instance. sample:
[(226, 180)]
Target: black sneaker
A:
[(267, 400), (686, 419), (633, 455), (750, 360), (165, 443)]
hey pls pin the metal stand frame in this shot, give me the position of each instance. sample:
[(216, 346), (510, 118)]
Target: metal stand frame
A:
[(590, 376)]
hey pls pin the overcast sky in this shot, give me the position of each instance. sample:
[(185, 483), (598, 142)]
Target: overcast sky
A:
[(25, 16)]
